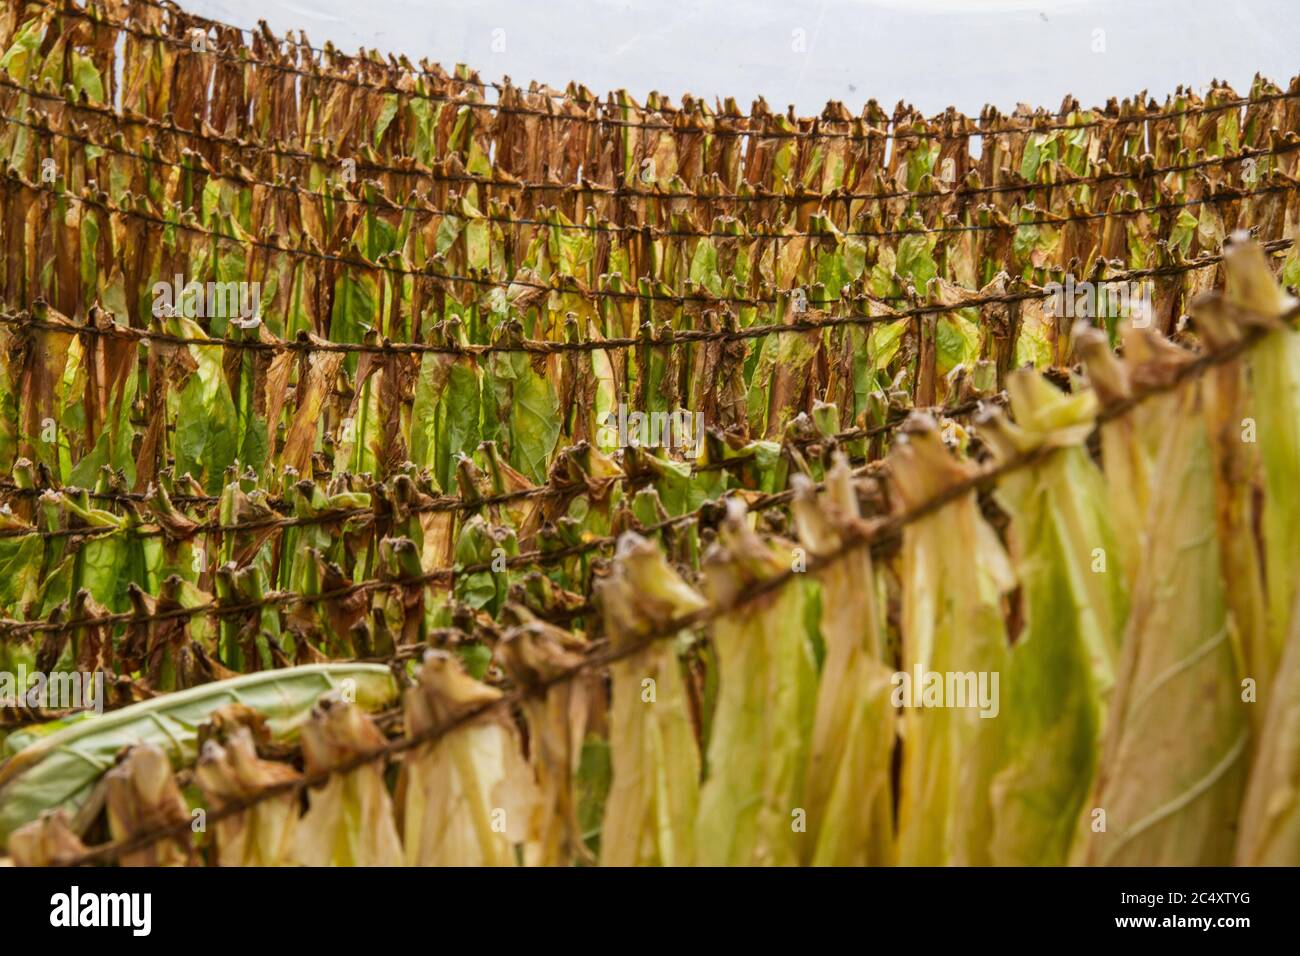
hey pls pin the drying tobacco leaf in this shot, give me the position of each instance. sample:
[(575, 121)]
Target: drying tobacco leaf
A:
[(953, 573), (1062, 666), (1174, 753), (1274, 366), (140, 796), (849, 796), (466, 798), (228, 770), (349, 819), (49, 840), (1129, 443), (1229, 401), (534, 654), (762, 722), (654, 791), (1268, 833)]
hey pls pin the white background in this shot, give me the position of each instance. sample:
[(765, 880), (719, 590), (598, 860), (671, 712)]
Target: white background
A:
[(933, 53)]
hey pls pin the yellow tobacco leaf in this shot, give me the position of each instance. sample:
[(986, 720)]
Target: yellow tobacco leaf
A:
[(349, 821), (467, 796), (848, 794), (654, 790)]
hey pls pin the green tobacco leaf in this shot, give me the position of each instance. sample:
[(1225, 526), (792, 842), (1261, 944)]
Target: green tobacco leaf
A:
[(1062, 665), (533, 412), (1173, 760), (445, 415), (957, 342), (654, 793), (916, 260), (206, 425), (762, 722), (953, 576), (849, 784), (386, 114), (86, 78), (21, 56), (62, 768), (355, 309), (1269, 833), (704, 267), (20, 571)]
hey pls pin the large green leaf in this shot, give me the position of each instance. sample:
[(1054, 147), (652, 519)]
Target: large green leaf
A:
[(61, 769)]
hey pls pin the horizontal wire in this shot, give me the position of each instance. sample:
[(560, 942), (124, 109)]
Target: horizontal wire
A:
[(266, 35), (757, 195), (537, 558), (671, 232), (541, 557), (331, 50), (665, 339), (499, 108), (853, 538), (591, 294), (251, 61), (534, 557), (438, 505)]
